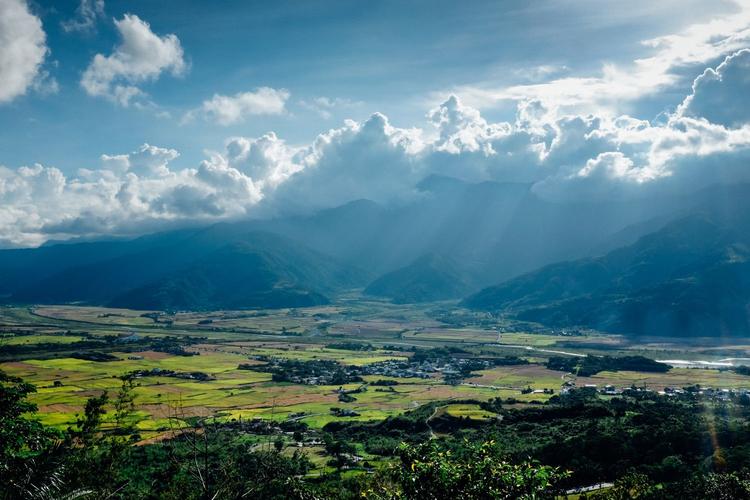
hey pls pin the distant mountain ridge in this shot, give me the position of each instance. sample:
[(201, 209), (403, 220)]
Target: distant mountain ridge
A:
[(265, 271), (493, 230), (490, 232), (203, 269), (690, 278), (429, 278)]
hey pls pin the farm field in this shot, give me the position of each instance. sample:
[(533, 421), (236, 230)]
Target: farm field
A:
[(48, 346)]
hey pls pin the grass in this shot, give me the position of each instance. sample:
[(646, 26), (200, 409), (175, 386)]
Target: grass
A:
[(39, 339), (519, 377), (233, 393), (676, 377), (99, 315), (310, 352), (470, 411)]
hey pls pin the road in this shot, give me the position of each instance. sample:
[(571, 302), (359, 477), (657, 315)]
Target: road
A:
[(587, 489)]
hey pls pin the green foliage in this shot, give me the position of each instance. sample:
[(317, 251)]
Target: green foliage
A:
[(384, 383), (28, 468), (429, 471), (382, 445), (652, 447), (591, 365), (90, 423), (721, 486), (125, 405), (494, 405), (346, 398), (18, 435), (714, 486), (351, 346), (633, 485)]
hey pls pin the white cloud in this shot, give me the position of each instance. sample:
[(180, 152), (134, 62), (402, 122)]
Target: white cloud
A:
[(722, 95), (21, 191), (87, 14), (637, 158), (141, 56), (541, 72), (228, 110), (573, 157), (372, 160), (564, 156), (698, 44), (462, 129), (267, 160), (608, 176), (585, 94), (130, 194), (324, 106), (702, 42), (147, 160), (22, 49)]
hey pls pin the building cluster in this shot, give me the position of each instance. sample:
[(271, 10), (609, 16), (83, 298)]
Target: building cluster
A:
[(328, 372), (711, 393), (160, 372), (448, 367), (400, 369)]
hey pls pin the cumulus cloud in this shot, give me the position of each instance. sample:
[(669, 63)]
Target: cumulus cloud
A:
[(130, 194), (87, 15), (462, 129), (722, 95), (372, 160), (638, 158), (23, 49), (610, 175), (228, 110), (21, 191), (141, 56), (147, 160), (563, 156), (267, 159)]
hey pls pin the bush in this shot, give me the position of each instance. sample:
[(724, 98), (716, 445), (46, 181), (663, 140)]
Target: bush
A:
[(428, 471)]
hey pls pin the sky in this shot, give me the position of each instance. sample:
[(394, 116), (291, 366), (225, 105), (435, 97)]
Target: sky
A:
[(120, 118)]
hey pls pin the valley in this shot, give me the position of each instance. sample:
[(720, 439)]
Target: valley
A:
[(374, 250), (340, 344), (392, 359)]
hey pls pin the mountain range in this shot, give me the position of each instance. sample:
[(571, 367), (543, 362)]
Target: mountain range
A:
[(610, 264), (689, 278)]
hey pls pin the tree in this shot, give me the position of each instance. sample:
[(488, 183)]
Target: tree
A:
[(29, 466), (632, 486), (264, 474), (721, 486), (124, 406), (89, 425), (428, 471)]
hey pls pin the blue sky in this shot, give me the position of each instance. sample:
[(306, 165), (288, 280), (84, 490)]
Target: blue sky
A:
[(389, 56), (82, 92)]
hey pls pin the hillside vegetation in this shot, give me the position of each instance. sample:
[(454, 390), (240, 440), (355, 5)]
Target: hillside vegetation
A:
[(429, 278)]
